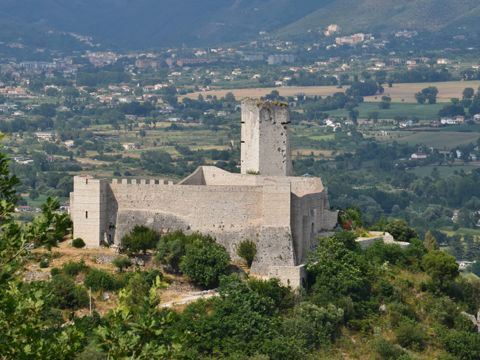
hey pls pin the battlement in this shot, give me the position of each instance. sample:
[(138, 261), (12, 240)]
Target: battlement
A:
[(150, 182)]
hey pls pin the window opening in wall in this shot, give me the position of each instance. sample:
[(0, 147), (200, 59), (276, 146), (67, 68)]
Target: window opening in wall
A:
[(86, 214)]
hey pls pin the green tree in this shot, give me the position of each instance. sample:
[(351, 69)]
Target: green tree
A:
[(400, 230), (28, 329), (128, 332), (351, 218), (428, 94), (468, 93), (122, 263), (341, 275), (171, 248), (68, 295), (247, 249), (50, 227), (430, 242), (441, 267), (386, 102), (204, 262), (139, 240), (316, 326)]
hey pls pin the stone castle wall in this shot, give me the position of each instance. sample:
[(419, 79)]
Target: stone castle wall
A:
[(283, 214), (231, 214)]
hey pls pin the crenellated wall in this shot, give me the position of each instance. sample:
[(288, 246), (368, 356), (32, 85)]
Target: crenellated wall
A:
[(284, 224)]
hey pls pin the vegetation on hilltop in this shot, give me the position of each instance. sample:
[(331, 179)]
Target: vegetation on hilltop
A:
[(384, 303)]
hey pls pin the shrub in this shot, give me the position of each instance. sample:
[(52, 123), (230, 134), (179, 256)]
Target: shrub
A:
[(136, 294), (411, 335), (247, 250), (68, 295), (464, 345), (99, 280), (55, 271), (399, 312), (151, 276), (282, 296), (74, 268), (78, 243), (400, 230), (388, 351), (122, 262), (44, 263), (139, 240), (381, 253), (315, 325), (171, 248), (204, 262)]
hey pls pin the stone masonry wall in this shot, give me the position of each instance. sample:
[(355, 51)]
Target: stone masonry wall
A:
[(231, 214)]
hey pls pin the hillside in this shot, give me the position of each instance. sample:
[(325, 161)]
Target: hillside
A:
[(389, 15), (151, 23)]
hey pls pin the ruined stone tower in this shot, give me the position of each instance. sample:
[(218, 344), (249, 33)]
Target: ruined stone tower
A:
[(265, 145)]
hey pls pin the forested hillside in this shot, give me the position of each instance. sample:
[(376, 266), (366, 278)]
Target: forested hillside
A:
[(150, 23)]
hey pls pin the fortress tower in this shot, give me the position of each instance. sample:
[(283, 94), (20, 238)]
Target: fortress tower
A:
[(282, 214), (265, 144)]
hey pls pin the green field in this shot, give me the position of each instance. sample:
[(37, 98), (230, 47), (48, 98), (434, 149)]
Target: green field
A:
[(404, 110), (437, 139)]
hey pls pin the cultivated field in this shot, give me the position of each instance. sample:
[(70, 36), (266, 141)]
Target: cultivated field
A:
[(446, 90), (437, 139), (398, 93)]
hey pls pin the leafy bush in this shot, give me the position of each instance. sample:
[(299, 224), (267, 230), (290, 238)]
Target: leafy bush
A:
[(44, 263), (152, 275), (399, 312), (247, 250), (315, 325), (381, 253), (205, 261), (237, 322), (74, 268), (99, 280), (139, 240), (122, 262), (55, 271), (400, 230), (411, 335), (464, 345), (78, 243), (350, 218), (171, 248), (389, 351), (68, 295), (341, 276), (282, 296)]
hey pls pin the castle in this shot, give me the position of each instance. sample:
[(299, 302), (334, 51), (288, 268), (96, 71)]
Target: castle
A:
[(283, 214)]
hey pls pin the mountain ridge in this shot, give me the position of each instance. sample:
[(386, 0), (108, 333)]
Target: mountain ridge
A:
[(160, 23)]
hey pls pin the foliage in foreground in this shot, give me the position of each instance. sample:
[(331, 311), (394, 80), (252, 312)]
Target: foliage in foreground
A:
[(416, 295)]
